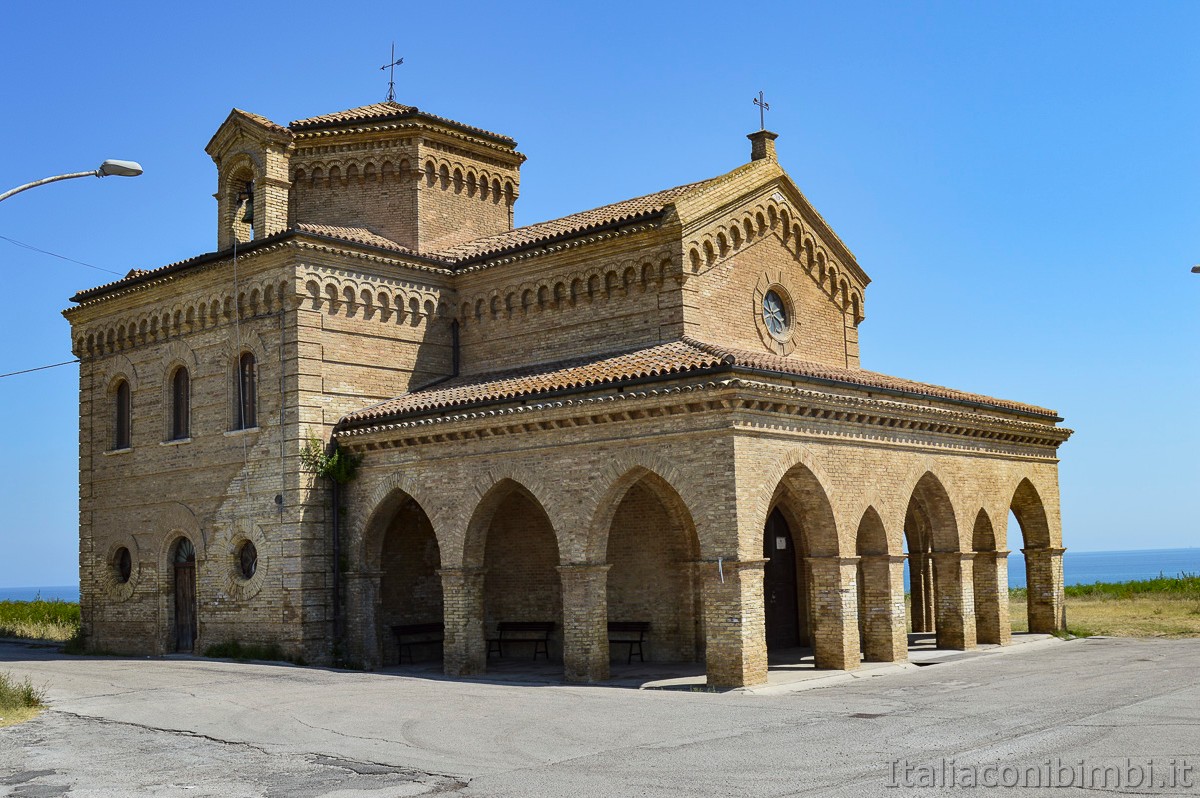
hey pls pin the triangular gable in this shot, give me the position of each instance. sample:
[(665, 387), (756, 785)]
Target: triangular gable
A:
[(241, 123), (754, 184)]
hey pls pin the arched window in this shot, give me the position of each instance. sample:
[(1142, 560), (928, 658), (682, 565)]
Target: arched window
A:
[(246, 396), (180, 404), (122, 422)]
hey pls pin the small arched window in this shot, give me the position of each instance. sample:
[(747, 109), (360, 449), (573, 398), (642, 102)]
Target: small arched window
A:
[(122, 439), (246, 395), (180, 404)]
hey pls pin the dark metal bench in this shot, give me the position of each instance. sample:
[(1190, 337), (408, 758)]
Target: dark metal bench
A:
[(416, 634), (536, 632), (629, 633)]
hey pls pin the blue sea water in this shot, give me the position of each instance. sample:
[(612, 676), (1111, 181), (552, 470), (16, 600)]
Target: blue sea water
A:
[(59, 592), (1079, 568), (1088, 567)]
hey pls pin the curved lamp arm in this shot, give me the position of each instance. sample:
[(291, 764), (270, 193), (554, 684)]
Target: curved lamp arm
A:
[(121, 168)]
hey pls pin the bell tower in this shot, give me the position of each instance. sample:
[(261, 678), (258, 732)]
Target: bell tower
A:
[(252, 155), (426, 182)]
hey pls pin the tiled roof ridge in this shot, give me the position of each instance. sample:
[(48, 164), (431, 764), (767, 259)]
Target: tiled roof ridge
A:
[(862, 378), (374, 112), (565, 226), (262, 120)]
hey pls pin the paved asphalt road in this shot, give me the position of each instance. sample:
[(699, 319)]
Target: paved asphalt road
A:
[(188, 727)]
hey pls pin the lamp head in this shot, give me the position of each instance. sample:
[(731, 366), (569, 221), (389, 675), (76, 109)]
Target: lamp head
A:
[(119, 168)]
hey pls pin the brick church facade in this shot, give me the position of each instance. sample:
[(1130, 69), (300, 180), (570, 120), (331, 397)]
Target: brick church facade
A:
[(651, 412)]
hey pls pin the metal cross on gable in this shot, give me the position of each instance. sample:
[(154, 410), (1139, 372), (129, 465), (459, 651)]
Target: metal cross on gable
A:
[(763, 106), (391, 95)]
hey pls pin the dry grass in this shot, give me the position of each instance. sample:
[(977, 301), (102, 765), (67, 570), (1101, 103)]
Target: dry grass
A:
[(1147, 615), (56, 621)]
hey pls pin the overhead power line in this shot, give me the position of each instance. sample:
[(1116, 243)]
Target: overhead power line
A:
[(56, 255), (38, 368)]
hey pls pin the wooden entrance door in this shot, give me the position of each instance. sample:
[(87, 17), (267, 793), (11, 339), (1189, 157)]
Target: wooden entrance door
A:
[(779, 584), (185, 596)]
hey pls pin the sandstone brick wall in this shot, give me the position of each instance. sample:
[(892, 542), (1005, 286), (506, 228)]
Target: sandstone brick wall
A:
[(463, 195), (721, 309), (382, 199), (217, 488), (619, 295)]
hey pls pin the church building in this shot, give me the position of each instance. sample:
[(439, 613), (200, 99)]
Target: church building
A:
[(646, 418)]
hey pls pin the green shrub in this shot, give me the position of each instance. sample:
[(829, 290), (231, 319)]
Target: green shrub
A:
[(19, 695), (1185, 586)]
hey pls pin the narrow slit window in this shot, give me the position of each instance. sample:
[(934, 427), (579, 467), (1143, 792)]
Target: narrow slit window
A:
[(246, 398), (180, 404), (123, 420)]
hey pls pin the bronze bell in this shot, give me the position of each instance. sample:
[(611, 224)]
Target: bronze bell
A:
[(247, 198)]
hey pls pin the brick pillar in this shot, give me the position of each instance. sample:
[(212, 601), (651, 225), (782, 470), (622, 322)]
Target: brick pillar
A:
[(362, 619), (734, 623), (464, 651), (992, 623), (955, 598), (585, 622), (1044, 587), (834, 601), (883, 619)]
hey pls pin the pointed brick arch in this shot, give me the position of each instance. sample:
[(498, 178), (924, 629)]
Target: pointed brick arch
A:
[(512, 548), (395, 555), (990, 574), (1043, 561), (653, 571), (882, 623), (942, 574), (826, 571), (617, 489)]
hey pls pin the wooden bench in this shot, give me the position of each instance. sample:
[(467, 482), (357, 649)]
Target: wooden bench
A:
[(536, 632), (417, 634), (629, 633)]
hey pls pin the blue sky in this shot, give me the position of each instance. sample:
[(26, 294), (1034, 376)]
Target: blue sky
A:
[(1021, 180)]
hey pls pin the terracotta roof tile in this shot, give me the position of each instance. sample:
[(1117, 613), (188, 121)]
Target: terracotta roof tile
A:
[(262, 120), (358, 235), (676, 357), (567, 225), (362, 113), (379, 112)]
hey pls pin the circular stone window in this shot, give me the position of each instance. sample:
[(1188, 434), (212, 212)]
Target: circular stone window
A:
[(123, 564), (247, 560), (775, 315)]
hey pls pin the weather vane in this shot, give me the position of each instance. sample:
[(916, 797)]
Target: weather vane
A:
[(762, 108), (391, 95)]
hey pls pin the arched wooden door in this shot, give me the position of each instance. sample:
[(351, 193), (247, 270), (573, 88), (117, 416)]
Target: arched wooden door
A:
[(779, 584), (185, 596)]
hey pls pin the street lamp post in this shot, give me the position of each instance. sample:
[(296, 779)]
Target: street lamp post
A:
[(119, 168)]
